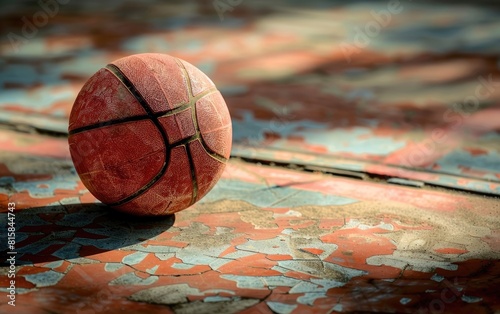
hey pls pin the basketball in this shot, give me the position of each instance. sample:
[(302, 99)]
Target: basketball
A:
[(149, 134)]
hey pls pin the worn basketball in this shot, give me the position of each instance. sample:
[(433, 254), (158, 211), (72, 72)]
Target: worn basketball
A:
[(149, 134)]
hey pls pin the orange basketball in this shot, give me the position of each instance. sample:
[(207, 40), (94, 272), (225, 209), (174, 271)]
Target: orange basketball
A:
[(149, 134)]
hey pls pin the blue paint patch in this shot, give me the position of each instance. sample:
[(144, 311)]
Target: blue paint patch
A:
[(460, 35), (70, 249), (133, 279), (273, 197), (153, 269), (193, 46), (87, 63), (231, 22), (164, 256), (278, 246), (328, 283), (250, 282), (216, 264), (37, 247), (310, 297), (45, 279), (437, 278), (338, 308), (489, 163), (354, 223), (54, 264), (404, 301), (217, 299), (360, 94), (153, 248), (207, 66), (313, 289), (299, 266), (49, 72), (77, 219), (121, 236), (406, 182), (252, 130), (32, 48), (111, 267), (268, 246), (7, 180), (470, 299), (304, 287), (191, 256), (134, 258), (145, 43), (493, 136), (159, 42), (172, 23), (478, 186), (109, 243), (232, 90), (238, 254), (357, 140), (30, 220), (279, 281), (41, 98), (182, 266), (35, 189), (353, 167), (23, 74)]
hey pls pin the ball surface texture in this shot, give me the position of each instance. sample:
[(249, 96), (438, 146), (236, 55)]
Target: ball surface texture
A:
[(149, 134)]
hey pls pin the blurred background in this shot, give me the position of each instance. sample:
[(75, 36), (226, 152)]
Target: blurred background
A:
[(400, 89)]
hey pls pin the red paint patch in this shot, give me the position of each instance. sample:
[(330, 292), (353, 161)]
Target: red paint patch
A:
[(279, 257), (31, 270), (475, 151), (451, 251), (254, 265), (313, 251), (299, 275), (115, 256)]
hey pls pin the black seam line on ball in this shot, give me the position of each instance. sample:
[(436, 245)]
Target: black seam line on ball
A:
[(194, 195), (211, 153), (185, 141), (192, 105), (131, 88), (194, 116), (108, 123)]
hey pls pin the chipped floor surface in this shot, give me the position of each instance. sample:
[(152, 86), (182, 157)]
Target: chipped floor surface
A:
[(265, 239), (364, 178)]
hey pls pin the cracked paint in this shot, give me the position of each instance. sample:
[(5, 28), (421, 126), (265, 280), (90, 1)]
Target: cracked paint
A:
[(226, 252), (45, 279), (278, 196), (268, 238), (133, 279)]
